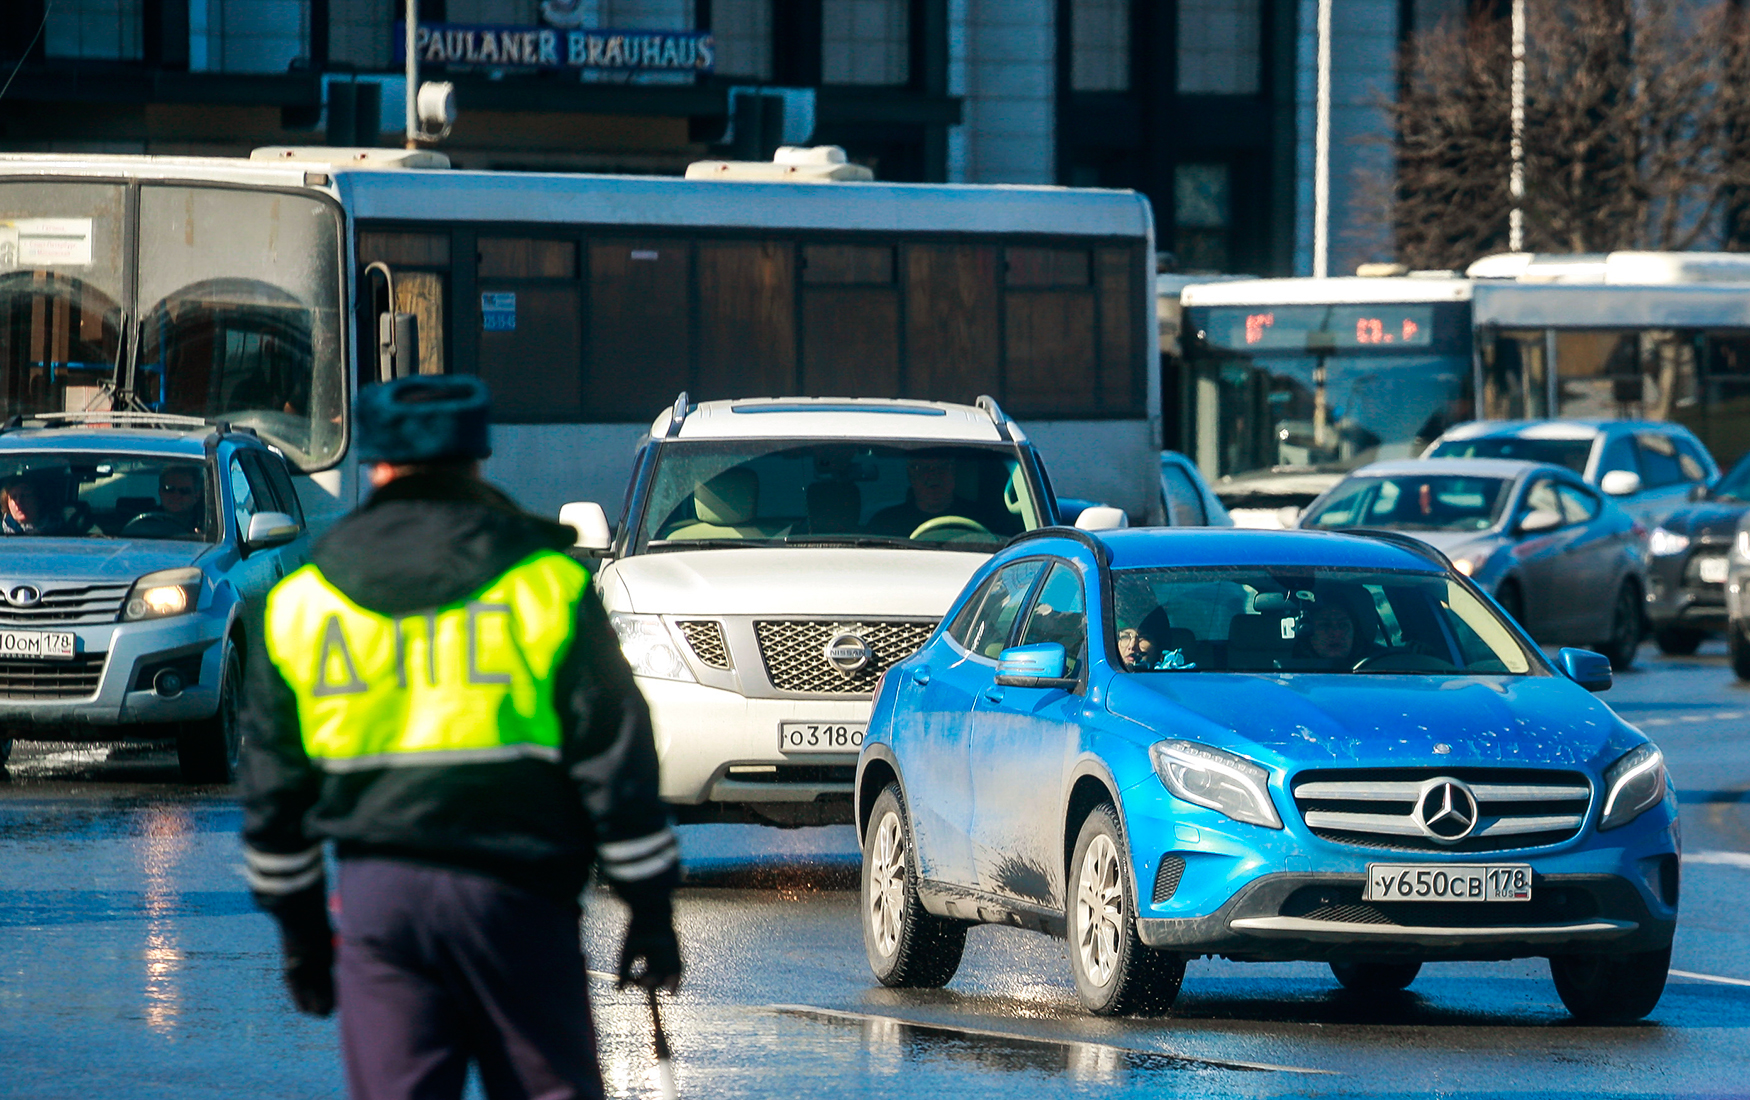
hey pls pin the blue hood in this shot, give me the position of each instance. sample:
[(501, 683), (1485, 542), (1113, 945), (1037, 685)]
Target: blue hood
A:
[(1379, 721), (106, 560)]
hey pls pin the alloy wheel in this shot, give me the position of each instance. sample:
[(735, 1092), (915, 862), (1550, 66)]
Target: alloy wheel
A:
[(1100, 911), (887, 884)]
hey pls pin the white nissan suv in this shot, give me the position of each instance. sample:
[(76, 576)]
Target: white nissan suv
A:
[(774, 557)]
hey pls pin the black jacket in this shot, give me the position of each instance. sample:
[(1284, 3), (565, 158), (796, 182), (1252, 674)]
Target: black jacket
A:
[(422, 542)]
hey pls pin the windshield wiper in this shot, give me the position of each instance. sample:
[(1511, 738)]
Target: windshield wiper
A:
[(895, 541), (707, 544)]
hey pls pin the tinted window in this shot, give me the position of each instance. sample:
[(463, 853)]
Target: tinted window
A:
[(1578, 506), (279, 482), (1059, 615), (1414, 503), (1543, 498), (1572, 453), (1184, 502), (61, 495), (1301, 619), (246, 497), (1736, 484), (1619, 454), (985, 630), (1660, 463)]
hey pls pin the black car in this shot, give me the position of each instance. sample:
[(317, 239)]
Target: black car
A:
[(1688, 559)]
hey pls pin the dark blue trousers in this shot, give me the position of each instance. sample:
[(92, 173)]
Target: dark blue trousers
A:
[(439, 968)]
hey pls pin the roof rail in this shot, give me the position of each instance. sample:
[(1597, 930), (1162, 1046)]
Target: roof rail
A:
[(682, 406), (1398, 538), (119, 418), (1075, 534), (989, 406)]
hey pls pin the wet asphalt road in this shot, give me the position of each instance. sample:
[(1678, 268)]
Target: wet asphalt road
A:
[(133, 965)]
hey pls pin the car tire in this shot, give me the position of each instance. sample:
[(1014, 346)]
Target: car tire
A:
[(1678, 641), (208, 749), (908, 947), (1625, 629), (1610, 989), (1376, 977), (1737, 648), (1115, 972)]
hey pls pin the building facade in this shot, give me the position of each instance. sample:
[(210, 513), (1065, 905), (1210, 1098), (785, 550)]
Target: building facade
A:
[(1206, 106)]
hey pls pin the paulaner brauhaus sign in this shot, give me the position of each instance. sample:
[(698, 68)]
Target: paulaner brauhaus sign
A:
[(507, 47)]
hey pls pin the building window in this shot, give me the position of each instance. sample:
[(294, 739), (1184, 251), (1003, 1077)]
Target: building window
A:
[(103, 29), (865, 41), (1200, 216), (743, 33), (1100, 45), (1218, 46), (235, 36)]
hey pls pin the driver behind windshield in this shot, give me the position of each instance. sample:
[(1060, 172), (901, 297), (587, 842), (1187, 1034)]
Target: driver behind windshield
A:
[(1335, 630), (28, 509), (932, 495), (180, 498)]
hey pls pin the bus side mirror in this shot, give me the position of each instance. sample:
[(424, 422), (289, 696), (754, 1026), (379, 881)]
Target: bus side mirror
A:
[(397, 346)]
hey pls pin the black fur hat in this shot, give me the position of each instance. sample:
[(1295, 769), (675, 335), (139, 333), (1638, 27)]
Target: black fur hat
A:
[(424, 418)]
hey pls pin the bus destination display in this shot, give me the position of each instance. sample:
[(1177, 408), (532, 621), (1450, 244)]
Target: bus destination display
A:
[(1317, 328)]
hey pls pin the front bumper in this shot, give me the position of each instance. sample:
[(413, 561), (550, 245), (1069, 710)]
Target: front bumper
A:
[(720, 746), (1314, 916), (1676, 594), (127, 656)]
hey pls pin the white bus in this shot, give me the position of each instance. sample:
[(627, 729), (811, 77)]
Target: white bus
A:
[(251, 291), (1284, 384)]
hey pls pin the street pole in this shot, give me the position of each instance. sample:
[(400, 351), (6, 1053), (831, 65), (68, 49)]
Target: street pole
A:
[(412, 21), (1322, 150), (1516, 176)]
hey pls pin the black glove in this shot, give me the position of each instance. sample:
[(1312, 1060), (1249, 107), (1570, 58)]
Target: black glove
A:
[(650, 937), (308, 944)]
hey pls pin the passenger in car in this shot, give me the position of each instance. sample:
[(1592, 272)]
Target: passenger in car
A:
[(834, 507), (28, 509), (1154, 643)]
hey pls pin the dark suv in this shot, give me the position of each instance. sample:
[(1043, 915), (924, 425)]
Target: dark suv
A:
[(135, 555), (1688, 562)]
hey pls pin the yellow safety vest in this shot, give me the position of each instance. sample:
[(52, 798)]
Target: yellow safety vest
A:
[(468, 682)]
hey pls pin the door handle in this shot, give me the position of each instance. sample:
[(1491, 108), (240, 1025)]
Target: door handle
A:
[(920, 674), (994, 693)]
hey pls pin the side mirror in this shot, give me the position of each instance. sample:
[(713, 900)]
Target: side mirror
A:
[(270, 529), (591, 524), (1101, 518), (1621, 483), (1541, 519), (1588, 669), (1033, 666)]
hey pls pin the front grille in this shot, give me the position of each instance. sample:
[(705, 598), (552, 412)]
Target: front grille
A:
[(47, 679), (706, 638), (1343, 904), (1517, 808), (66, 605), (795, 653), (1167, 879)]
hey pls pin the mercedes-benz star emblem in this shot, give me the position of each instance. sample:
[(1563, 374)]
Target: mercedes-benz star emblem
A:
[(848, 653), (25, 595), (1446, 811)]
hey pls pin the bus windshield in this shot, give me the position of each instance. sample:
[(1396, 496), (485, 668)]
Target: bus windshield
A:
[(234, 315), (1327, 387)]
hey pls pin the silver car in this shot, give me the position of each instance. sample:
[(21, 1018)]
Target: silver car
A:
[(1558, 555), (133, 566)]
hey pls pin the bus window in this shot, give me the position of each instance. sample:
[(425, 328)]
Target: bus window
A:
[(948, 359), (747, 319), (640, 328), (420, 262), (531, 328), (1048, 331), (850, 319)]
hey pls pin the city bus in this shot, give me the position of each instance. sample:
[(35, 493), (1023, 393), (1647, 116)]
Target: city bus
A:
[(262, 292), (1282, 385)]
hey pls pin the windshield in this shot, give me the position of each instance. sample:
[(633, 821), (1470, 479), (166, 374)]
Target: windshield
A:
[(1418, 502), (837, 492), (1735, 485), (1572, 453), (1325, 387), (61, 249), (1296, 619), (58, 494), (235, 315)]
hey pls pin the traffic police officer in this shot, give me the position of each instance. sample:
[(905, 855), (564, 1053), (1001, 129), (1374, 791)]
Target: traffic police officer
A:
[(439, 693)]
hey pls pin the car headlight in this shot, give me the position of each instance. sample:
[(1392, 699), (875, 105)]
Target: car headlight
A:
[(1471, 564), (1742, 545), (649, 648), (163, 594), (1663, 543), (1632, 786), (1216, 779)]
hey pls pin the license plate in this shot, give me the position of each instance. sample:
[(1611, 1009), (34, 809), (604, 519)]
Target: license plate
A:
[(52, 644), (794, 737), (1448, 882), (1712, 570)]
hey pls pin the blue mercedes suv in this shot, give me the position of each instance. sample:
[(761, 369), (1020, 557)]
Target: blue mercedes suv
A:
[(1265, 745)]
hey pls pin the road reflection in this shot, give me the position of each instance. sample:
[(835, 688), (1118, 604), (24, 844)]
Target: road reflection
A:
[(162, 848)]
